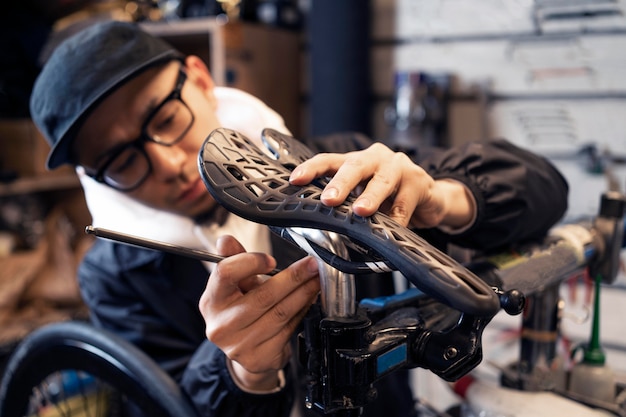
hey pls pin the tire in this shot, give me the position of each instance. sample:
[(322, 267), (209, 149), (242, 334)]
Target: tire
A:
[(104, 356)]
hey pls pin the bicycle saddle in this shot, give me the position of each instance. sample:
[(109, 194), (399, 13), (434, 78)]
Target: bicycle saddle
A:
[(254, 184)]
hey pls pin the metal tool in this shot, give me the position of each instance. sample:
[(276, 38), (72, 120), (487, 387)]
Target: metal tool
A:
[(160, 246)]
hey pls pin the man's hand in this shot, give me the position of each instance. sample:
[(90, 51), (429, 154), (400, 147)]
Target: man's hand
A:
[(390, 182), (252, 318)]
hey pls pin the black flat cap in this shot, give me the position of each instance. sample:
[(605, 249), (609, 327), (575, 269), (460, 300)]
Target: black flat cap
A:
[(82, 71)]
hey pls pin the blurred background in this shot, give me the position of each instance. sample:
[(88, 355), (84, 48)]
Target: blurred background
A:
[(546, 74)]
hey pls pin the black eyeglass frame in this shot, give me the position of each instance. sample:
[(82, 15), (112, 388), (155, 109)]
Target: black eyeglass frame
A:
[(144, 137)]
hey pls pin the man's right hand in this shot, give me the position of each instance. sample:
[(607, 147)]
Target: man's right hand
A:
[(252, 318)]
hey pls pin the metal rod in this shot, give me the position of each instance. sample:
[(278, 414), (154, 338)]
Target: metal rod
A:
[(160, 246), (338, 290)]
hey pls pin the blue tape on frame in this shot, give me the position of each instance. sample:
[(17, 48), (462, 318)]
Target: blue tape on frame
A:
[(392, 359)]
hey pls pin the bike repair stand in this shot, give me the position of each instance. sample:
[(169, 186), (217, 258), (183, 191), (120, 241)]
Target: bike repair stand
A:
[(539, 367)]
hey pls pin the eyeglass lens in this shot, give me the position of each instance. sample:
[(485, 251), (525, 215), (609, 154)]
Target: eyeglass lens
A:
[(166, 127), (169, 123)]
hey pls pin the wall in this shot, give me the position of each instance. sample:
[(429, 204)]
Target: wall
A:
[(547, 75)]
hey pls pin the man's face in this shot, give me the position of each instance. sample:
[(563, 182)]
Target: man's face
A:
[(174, 182)]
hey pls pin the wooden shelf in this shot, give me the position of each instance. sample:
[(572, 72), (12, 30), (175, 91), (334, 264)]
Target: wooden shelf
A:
[(39, 184), (196, 36)]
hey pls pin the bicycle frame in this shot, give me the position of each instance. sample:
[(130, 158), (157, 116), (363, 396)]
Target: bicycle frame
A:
[(344, 354)]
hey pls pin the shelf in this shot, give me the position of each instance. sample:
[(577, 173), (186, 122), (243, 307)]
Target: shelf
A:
[(40, 184), (195, 36)]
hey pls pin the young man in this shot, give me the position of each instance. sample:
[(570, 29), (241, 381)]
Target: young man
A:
[(131, 114)]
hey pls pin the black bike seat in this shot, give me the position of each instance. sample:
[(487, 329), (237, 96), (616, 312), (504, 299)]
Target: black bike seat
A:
[(254, 184)]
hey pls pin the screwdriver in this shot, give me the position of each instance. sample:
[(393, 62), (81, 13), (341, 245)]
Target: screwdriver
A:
[(157, 245)]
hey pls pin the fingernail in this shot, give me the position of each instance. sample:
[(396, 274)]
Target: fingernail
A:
[(312, 265), (295, 174), (271, 261), (330, 193), (363, 203)]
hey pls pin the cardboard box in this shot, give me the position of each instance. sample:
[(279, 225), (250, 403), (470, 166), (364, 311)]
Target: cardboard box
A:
[(262, 60), (265, 62), (23, 150)]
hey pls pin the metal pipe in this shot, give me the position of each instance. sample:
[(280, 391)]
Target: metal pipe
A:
[(338, 290)]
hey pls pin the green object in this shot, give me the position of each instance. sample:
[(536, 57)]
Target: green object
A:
[(593, 354), (591, 378)]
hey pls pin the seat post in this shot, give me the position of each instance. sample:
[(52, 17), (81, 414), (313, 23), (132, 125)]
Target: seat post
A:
[(338, 289)]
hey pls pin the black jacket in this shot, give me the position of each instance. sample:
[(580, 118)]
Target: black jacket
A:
[(151, 298)]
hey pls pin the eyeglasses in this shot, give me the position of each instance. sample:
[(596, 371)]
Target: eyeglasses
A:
[(128, 166)]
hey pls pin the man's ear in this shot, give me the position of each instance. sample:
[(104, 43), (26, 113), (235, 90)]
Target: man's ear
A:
[(198, 73)]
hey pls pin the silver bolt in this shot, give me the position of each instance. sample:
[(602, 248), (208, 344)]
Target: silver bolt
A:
[(450, 353)]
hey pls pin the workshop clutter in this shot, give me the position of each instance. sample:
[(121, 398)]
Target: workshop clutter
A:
[(38, 285), (42, 218)]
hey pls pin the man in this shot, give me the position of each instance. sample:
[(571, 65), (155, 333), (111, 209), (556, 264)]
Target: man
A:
[(131, 113)]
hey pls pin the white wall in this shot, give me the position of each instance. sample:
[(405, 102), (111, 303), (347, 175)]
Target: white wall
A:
[(548, 75)]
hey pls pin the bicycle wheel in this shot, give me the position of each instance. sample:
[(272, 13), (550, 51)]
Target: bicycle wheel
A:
[(70, 367)]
